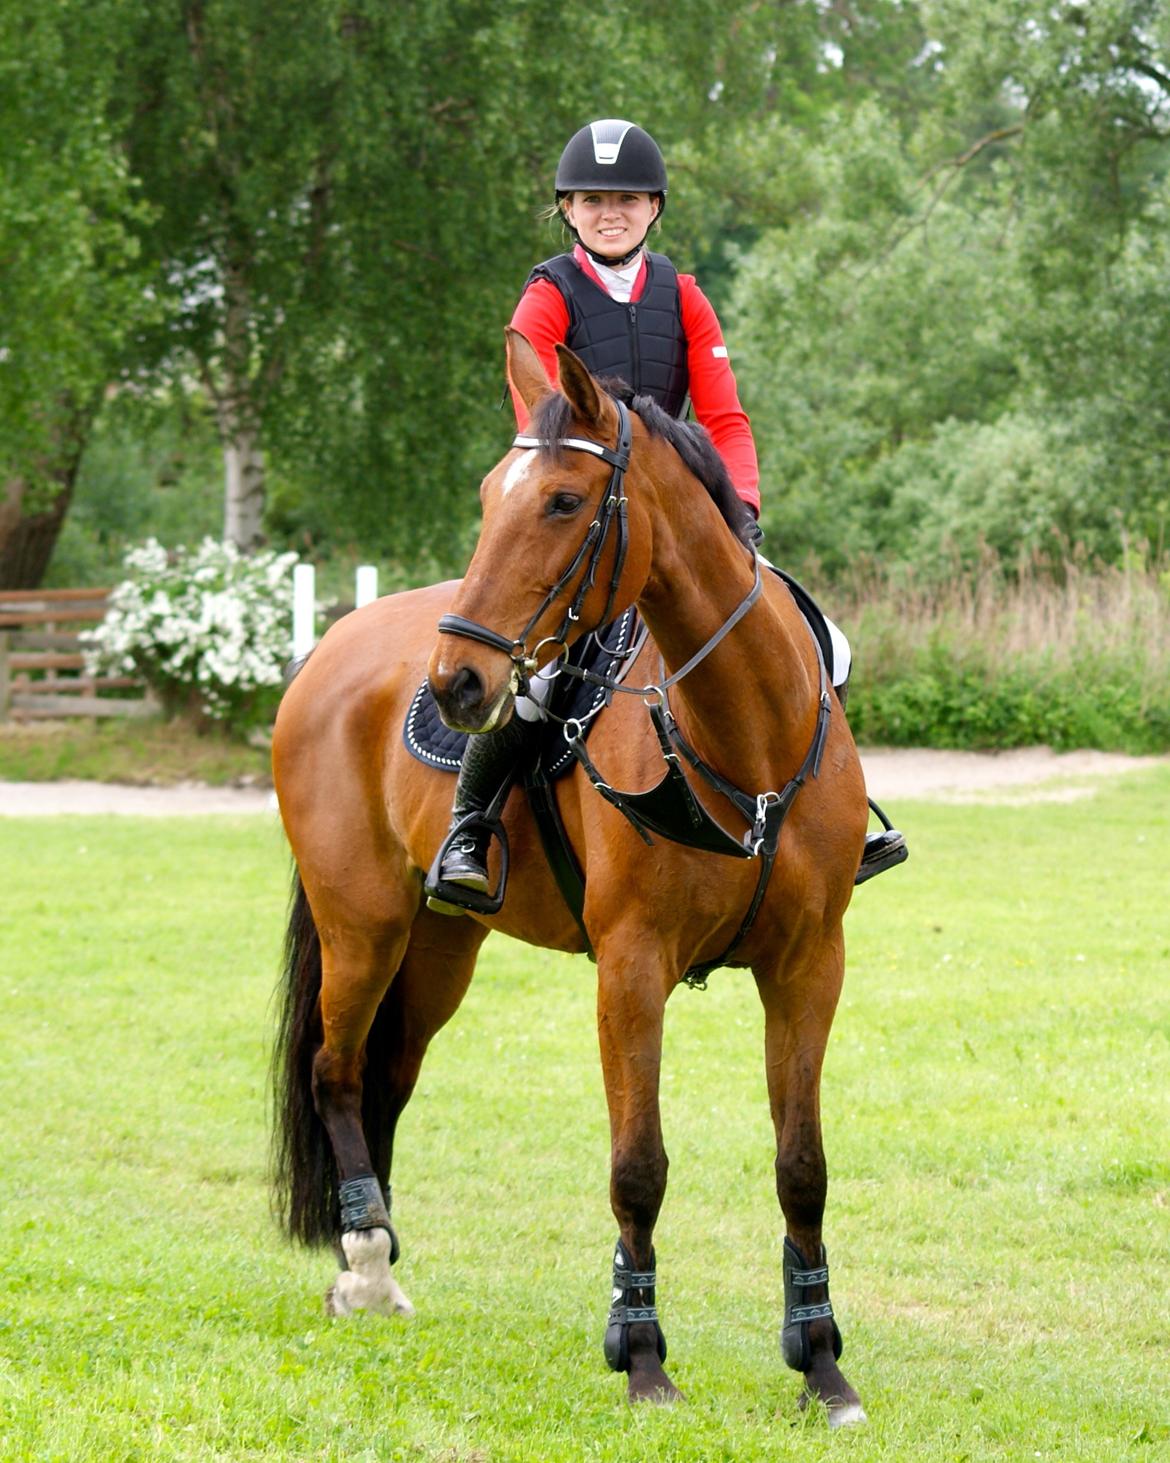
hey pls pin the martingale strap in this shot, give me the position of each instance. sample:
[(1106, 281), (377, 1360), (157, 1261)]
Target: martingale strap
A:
[(672, 811), (660, 688)]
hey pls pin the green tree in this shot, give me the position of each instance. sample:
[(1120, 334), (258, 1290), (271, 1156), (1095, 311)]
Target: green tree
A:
[(71, 291), (961, 332), (318, 215), (344, 209)]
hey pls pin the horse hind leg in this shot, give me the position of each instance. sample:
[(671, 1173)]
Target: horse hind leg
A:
[(431, 981), (356, 970), (798, 1013), (360, 1007), (327, 1190)]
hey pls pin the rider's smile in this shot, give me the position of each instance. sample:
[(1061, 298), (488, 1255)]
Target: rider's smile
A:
[(611, 223)]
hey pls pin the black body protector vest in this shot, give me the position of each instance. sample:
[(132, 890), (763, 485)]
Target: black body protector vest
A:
[(642, 341)]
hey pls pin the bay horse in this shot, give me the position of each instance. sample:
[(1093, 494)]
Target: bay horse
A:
[(371, 974)]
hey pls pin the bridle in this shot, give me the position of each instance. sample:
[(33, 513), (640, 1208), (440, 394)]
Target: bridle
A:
[(611, 514), (683, 818)]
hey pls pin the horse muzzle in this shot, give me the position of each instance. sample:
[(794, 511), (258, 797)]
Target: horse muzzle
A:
[(465, 703)]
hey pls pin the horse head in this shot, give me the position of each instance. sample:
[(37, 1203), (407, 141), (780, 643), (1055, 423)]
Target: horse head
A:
[(554, 558)]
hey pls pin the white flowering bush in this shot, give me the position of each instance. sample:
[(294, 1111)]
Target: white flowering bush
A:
[(208, 629)]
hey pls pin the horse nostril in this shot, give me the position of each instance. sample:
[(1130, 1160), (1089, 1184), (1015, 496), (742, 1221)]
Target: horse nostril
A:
[(466, 689)]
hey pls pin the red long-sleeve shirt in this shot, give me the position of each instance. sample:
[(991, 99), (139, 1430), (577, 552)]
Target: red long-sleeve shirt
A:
[(543, 317)]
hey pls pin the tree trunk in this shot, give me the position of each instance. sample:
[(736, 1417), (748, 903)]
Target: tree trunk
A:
[(236, 409), (31, 518), (243, 501)]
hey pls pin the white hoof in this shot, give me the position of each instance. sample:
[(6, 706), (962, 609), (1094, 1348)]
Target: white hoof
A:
[(368, 1284), (847, 1414)]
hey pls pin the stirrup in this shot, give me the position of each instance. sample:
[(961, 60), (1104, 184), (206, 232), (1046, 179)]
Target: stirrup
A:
[(453, 896), (882, 850)]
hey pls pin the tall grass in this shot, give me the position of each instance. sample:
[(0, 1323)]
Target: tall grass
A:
[(1076, 656)]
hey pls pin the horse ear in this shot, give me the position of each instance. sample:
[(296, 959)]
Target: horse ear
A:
[(525, 371), (590, 404)]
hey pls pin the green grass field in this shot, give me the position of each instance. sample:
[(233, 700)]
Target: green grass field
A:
[(997, 1119)]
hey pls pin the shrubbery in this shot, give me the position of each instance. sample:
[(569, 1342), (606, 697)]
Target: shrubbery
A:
[(989, 662), (208, 629)]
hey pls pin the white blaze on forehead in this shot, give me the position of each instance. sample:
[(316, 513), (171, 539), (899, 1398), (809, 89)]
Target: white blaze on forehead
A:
[(518, 471)]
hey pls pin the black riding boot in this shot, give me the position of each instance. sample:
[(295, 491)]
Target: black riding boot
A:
[(882, 851), (885, 849), (489, 762)]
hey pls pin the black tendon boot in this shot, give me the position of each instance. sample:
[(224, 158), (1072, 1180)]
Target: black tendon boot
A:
[(489, 763)]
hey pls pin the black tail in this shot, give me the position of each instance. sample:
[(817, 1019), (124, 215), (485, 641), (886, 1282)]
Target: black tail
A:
[(304, 1172), (304, 1169)]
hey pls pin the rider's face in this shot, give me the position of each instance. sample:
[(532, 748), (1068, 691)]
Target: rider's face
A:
[(611, 224)]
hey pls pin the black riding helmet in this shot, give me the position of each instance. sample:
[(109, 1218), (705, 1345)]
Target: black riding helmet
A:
[(612, 156)]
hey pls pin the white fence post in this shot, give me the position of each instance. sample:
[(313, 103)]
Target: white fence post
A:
[(304, 610), (367, 585)]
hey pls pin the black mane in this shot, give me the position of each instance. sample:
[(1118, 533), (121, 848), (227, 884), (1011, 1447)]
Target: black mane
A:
[(552, 419)]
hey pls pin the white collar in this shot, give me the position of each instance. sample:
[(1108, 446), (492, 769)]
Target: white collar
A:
[(619, 283)]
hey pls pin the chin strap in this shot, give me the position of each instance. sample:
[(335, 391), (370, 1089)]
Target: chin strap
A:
[(608, 260)]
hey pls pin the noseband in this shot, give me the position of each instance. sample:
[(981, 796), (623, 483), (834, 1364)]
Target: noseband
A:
[(611, 514)]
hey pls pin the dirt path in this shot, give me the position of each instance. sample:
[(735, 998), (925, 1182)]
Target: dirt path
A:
[(31, 799), (1024, 775), (1033, 774)]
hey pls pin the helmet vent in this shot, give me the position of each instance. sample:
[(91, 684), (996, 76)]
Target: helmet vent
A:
[(607, 140)]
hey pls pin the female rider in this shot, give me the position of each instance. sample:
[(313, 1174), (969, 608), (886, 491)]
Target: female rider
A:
[(626, 312)]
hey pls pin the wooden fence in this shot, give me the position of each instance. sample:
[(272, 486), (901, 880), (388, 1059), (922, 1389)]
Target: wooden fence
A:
[(42, 668)]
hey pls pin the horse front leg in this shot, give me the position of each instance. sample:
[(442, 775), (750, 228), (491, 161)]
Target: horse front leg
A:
[(798, 1012), (630, 1003)]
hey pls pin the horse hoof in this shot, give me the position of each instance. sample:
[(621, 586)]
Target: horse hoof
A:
[(841, 1411), (654, 1391), (345, 1297), (367, 1285), (846, 1414)]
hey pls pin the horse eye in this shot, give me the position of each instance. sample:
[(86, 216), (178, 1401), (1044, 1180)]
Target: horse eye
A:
[(563, 505)]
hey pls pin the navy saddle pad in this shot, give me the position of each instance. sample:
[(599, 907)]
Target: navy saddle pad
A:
[(428, 739)]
